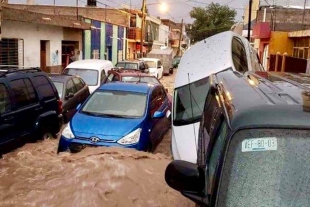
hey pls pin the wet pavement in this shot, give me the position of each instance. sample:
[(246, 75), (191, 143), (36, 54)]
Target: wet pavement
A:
[(34, 175)]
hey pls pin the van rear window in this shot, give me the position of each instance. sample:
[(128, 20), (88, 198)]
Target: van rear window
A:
[(89, 76)]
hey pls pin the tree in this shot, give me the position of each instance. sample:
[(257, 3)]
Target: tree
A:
[(210, 20)]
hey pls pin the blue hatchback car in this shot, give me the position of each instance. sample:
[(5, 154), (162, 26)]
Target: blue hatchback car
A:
[(131, 115)]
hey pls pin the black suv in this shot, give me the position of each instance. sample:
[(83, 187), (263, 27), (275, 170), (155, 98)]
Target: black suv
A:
[(29, 105), (254, 143)]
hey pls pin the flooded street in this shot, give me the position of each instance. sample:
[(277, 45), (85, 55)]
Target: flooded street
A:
[(34, 175)]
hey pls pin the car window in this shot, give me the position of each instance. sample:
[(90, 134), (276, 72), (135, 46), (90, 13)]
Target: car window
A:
[(89, 76), (115, 78), (155, 100), (189, 101), (266, 167), (216, 153), (78, 84), (70, 88), (5, 105), (24, 92), (102, 76), (110, 77), (239, 55), (159, 64), (116, 103), (44, 87)]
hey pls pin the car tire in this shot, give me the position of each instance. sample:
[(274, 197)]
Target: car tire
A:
[(150, 147), (47, 135)]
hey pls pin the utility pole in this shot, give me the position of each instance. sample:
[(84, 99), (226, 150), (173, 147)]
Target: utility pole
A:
[(303, 17), (250, 17), (180, 37), (142, 28), (77, 9)]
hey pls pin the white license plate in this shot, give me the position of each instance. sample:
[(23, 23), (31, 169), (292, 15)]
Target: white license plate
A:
[(259, 144)]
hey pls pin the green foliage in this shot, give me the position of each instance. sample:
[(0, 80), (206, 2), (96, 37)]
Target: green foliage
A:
[(210, 20)]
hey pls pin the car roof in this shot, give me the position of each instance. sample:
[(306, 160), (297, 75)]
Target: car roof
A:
[(265, 99), (60, 77), (129, 61), (150, 59), (95, 64), (139, 87), (206, 57), (130, 72)]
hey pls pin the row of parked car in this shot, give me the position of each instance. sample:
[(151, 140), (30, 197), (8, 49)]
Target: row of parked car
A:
[(250, 147), (102, 104)]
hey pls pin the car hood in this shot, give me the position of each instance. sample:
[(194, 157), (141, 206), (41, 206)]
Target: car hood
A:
[(110, 128)]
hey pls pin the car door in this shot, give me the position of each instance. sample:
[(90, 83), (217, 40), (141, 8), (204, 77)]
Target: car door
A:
[(7, 118), (26, 105), (160, 69), (69, 107), (82, 92), (159, 126)]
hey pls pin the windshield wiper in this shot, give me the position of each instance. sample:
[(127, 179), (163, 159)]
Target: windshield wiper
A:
[(90, 113), (114, 115)]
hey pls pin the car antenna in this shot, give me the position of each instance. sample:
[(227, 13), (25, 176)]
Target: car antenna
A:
[(190, 95)]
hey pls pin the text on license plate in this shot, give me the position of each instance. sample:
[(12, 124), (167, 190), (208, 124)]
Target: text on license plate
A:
[(259, 144)]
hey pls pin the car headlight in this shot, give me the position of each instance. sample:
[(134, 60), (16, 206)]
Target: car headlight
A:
[(131, 138), (67, 132)]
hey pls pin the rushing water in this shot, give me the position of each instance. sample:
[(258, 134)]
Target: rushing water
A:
[(34, 175)]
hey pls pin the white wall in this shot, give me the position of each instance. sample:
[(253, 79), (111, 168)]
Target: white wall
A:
[(32, 34), (163, 33)]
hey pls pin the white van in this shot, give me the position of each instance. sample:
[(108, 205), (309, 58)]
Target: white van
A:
[(214, 54), (92, 71), (155, 67)]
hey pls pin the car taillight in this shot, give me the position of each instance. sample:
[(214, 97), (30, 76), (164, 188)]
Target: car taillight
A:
[(59, 102)]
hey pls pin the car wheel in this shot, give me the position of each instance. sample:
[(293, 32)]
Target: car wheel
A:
[(150, 147), (47, 135)]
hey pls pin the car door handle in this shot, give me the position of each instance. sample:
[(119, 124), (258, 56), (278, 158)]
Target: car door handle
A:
[(10, 118)]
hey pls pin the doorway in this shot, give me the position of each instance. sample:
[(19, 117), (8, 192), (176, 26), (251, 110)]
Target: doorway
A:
[(43, 55)]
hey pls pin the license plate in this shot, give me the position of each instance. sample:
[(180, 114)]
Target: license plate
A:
[(259, 144)]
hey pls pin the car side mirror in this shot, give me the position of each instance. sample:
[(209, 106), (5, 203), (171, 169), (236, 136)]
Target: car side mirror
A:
[(70, 95), (187, 178), (158, 114), (78, 106)]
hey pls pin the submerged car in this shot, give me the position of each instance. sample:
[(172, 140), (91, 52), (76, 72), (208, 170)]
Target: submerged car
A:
[(72, 91), (130, 115), (254, 140)]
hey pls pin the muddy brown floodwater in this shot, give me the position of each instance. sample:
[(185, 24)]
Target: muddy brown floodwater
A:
[(34, 175)]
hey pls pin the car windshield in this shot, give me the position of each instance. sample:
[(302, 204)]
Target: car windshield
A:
[(128, 66), (116, 104), (151, 64), (89, 76), (189, 101), (140, 79), (266, 167), (59, 86)]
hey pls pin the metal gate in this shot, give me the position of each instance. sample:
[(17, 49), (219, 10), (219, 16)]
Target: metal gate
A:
[(12, 51)]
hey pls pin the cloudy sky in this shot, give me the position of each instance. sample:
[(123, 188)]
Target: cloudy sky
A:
[(177, 9)]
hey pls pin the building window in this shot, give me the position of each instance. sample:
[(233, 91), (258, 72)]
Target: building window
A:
[(9, 52), (301, 48)]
